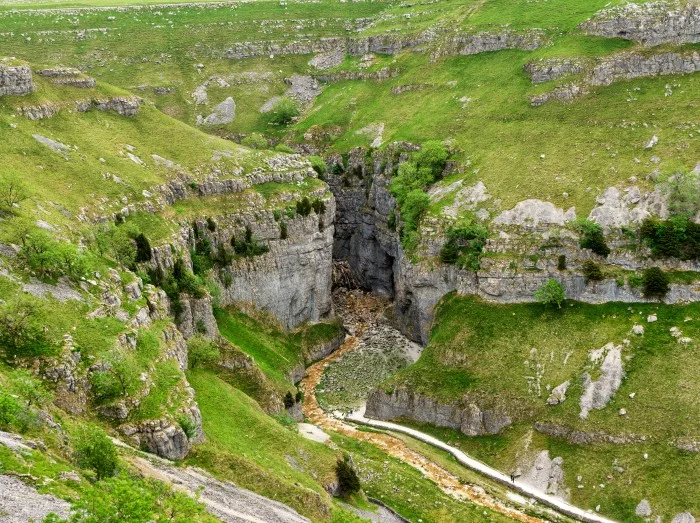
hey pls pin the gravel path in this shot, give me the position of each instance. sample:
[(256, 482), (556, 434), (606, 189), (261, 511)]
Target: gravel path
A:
[(21, 503), (224, 500), (360, 310)]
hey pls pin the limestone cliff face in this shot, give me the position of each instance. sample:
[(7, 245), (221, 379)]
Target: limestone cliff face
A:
[(652, 23), (521, 254), (293, 279), (465, 416)]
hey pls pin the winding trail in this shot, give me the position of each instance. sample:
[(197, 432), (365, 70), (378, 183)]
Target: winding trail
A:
[(448, 483), (364, 309)]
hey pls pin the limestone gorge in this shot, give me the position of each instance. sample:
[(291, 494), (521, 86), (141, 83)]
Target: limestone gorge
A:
[(332, 261)]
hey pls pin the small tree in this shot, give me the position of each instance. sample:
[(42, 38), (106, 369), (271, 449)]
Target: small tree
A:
[(348, 482), (288, 400), (283, 111), (94, 450), (20, 331), (143, 248), (29, 388), (12, 192), (655, 283), (551, 293), (202, 351)]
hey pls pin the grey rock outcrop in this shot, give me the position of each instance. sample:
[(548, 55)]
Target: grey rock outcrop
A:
[(597, 394), (546, 474), (580, 437), (652, 23), (160, 437), (558, 394), (54, 145), (327, 60), (616, 209), (15, 80), (561, 93), (67, 76), (123, 105), (222, 113), (222, 499), (626, 66), (532, 213), (468, 418), (643, 510), (683, 517), (197, 316), (303, 89), (468, 44), (546, 70)]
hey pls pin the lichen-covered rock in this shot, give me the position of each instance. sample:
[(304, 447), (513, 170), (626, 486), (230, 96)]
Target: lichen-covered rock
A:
[(327, 60), (468, 44), (15, 79), (562, 93), (683, 517), (652, 23), (643, 509)]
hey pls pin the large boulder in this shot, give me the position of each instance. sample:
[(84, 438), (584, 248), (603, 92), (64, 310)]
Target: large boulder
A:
[(15, 80)]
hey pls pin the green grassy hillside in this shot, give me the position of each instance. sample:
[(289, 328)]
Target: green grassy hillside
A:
[(513, 355)]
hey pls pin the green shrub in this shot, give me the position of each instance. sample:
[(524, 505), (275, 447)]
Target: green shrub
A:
[(677, 237), (318, 206), (143, 248), (304, 206), (592, 236), (94, 450), (12, 191), (684, 194), (255, 141), (211, 224), (414, 205), (284, 111), (202, 351), (655, 283), (288, 400), (249, 246), (283, 230), (432, 156), (592, 271), (283, 148), (28, 388), (319, 165), (52, 259), (188, 426), (464, 246), (10, 409), (551, 293), (348, 482), (561, 262), (119, 377)]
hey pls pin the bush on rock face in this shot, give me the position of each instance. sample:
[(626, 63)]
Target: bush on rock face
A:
[(592, 271), (348, 482), (655, 283)]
